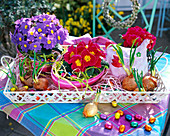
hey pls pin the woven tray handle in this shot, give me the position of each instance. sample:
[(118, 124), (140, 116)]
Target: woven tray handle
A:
[(9, 59)]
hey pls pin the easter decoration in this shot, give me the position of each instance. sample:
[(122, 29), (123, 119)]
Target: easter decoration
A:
[(42, 34)]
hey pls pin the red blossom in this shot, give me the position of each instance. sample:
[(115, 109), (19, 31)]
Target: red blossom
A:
[(71, 51), (87, 58), (76, 61), (137, 32)]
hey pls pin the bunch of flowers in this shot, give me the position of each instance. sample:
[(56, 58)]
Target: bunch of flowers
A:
[(83, 56), (139, 34), (38, 33)]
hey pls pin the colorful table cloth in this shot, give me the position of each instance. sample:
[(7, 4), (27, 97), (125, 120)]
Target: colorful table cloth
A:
[(67, 119)]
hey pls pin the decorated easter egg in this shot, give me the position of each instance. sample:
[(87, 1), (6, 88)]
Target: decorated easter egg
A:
[(138, 117), (148, 128), (128, 117), (114, 104), (152, 120), (121, 112), (108, 125), (134, 124), (117, 115), (103, 116), (122, 128)]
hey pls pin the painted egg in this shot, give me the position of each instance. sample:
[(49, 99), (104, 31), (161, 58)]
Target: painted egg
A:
[(138, 117), (134, 124), (121, 112), (103, 116), (152, 120), (122, 128), (128, 117), (114, 104), (117, 115), (148, 128), (108, 125)]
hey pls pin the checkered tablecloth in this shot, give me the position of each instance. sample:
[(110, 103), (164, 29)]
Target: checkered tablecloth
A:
[(67, 119)]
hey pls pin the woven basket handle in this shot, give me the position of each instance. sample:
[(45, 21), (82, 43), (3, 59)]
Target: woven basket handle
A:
[(166, 64), (4, 63)]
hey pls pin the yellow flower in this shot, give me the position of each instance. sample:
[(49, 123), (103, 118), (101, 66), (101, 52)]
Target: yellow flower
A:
[(100, 18), (91, 6), (85, 30), (69, 15), (75, 31), (48, 13), (120, 12), (70, 19), (89, 3), (98, 6), (82, 13), (97, 11), (68, 22), (90, 32), (75, 17), (88, 28), (99, 26), (61, 22), (90, 10), (88, 23), (81, 20)]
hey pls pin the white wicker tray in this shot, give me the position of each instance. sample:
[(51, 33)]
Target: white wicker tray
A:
[(108, 93)]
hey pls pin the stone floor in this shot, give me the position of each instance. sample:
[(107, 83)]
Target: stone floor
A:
[(9, 127)]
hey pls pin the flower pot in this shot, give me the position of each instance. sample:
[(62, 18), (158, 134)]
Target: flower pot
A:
[(65, 85)]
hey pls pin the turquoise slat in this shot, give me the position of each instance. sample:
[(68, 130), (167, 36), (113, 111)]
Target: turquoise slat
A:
[(148, 25)]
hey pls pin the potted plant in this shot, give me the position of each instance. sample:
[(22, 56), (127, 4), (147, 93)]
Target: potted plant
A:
[(42, 34), (82, 65)]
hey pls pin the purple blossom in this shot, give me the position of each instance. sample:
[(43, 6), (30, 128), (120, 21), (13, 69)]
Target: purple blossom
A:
[(13, 38), (50, 43), (40, 28), (43, 17), (31, 34), (37, 32), (25, 46), (35, 46), (19, 38), (40, 38), (24, 27), (61, 35)]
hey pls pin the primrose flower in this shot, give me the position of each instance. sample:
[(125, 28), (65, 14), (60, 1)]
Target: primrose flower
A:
[(39, 31), (87, 58), (24, 27), (49, 43), (137, 32), (35, 46), (76, 61), (39, 28), (71, 51), (25, 46), (19, 37)]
